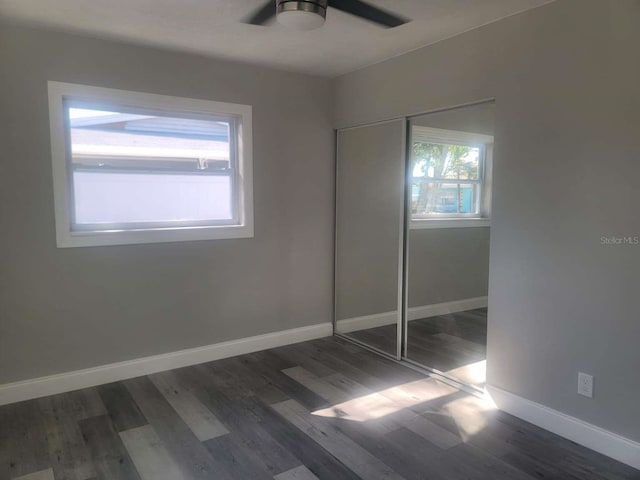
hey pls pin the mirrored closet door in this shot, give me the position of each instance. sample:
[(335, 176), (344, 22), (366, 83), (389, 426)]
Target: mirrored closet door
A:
[(370, 175), (447, 256), (413, 203)]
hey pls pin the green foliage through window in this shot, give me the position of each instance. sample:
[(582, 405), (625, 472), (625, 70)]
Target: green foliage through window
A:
[(445, 179)]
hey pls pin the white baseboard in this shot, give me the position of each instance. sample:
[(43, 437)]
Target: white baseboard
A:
[(426, 311), (415, 313), (367, 321), (66, 382), (602, 441)]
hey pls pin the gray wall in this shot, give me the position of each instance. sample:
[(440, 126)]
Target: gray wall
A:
[(68, 309), (447, 264), (565, 77)]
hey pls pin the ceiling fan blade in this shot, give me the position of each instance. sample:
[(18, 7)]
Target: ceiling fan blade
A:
[(368, 12), (263, 14)]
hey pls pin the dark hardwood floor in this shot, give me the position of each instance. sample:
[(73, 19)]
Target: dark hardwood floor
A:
[(455, 343), (323, 409)]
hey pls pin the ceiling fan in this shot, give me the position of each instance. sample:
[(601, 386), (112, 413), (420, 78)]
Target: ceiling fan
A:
[(310, 14)]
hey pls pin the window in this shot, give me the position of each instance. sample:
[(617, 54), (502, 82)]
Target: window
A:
[(448, 177), (140, 168)]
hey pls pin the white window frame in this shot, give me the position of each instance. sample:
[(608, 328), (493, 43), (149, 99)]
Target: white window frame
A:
[(448, 220), (66, 236)]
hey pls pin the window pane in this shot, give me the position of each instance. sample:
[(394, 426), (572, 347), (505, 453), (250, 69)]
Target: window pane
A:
[(116, 198), (435, 198), (452, 162), (139, 167)]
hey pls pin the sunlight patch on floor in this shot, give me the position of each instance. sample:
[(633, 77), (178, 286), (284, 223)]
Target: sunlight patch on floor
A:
[(386, 402), (470, 414), (473, 373)]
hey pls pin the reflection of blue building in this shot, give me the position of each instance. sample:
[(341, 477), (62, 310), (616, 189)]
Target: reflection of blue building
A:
[(447, 201)]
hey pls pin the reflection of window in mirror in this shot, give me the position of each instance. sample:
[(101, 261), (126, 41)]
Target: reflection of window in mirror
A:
[(449, 177)]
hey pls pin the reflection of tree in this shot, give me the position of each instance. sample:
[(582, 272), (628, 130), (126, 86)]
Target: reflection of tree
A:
[(437, 161)]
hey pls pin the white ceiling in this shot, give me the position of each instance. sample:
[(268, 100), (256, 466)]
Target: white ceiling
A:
[(213, 27)]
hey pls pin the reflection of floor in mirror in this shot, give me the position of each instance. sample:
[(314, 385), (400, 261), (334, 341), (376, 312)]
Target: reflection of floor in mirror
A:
[(454, 343)]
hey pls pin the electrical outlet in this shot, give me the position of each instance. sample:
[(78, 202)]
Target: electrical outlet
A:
[(585, 384)]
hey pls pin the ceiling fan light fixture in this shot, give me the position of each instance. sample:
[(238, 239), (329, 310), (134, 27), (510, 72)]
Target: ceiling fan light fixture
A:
[(302, 15)]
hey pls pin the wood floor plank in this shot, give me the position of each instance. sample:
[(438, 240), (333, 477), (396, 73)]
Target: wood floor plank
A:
[(200, 420), (487, 439), (424, 390), (23, 447), (465, 461), (242, 421), (187, 451), (535, 467), (225, 375), (309, 453), (238, 460), (349, 386), (343, 448), (270, 367), (359, 394), (149, 455), (418, 461), (295, 355), (121, 407), (110, 458), (41, 475), (323, 352), (316, 384), (68, 453), (84, 403), (431, 432), (298, 473), (398, 402)]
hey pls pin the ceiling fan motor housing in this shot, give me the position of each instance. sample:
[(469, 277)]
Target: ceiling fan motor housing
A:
[(302, 14), (319, 7), (310, 14)]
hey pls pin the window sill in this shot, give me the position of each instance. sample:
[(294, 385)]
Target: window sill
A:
[(449, 223), (161, 235)]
